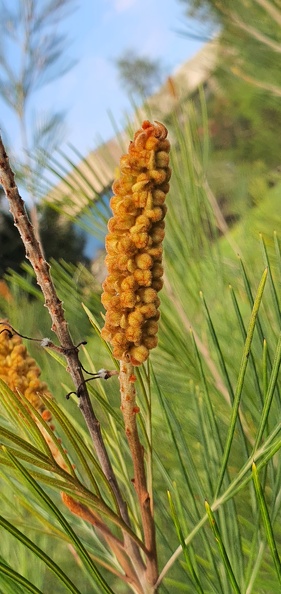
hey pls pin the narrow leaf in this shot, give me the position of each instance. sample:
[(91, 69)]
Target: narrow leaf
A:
[(35, 549), (241, 377), (266, 521), (271, 281), (188, 561), (221, 548), (271, 387), (63, 522), (19, 579)]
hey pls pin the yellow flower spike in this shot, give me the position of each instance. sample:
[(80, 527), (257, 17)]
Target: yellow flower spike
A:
[(19, 370), (133, 245), (21, 373)]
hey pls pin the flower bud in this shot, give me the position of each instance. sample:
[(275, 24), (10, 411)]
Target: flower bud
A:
[(134, 248)]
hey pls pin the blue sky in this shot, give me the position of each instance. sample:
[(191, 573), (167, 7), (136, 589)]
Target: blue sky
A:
[(99, 31)]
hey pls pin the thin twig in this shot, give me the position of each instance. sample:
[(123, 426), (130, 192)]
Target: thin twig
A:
[(254, 33), (130, 409), (271, 10), (259, 84), (117, 547), (60, 327)]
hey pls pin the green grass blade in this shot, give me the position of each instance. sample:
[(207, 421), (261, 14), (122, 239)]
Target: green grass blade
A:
[(212, 453), (21, 417), (270, 392), (222, 362), (264, 368), (37, 551), (255, 569), (172, 428), (277, 251), (63, 522), (19, 579), (213, 423), (221, 548), (209, 452), (266, 521), (218, 350), (241, 377), (76, 442), (275, 301), (187, 557), (24, 445), (53, 439), (244, 335)]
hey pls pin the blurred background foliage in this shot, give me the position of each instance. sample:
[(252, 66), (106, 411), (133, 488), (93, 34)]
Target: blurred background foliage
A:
[(222, 231)]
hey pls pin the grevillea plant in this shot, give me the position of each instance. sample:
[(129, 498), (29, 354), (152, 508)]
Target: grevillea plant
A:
[(175, 487), (134, 262)]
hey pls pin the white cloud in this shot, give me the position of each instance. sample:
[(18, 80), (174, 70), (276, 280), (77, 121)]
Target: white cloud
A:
[(122, 5)]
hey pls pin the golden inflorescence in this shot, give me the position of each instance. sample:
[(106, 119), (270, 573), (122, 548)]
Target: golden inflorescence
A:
[(134, 246), (20, 371)]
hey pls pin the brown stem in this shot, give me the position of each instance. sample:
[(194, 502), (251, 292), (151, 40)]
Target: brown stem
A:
[(81, 510), (130, 410), (60, 327)]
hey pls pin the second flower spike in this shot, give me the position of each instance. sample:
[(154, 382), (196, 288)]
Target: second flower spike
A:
[(134, 246)]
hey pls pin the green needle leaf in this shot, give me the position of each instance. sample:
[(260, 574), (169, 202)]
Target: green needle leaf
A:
[(266, 521), (270, 391), (241, 377), (33, 547), (184, 545), (221, 549), (19, 579), (63, 522)]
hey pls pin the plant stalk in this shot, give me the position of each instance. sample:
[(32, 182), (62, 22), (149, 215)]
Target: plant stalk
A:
[(130, 409)]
